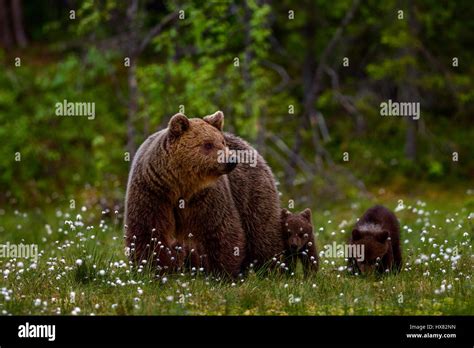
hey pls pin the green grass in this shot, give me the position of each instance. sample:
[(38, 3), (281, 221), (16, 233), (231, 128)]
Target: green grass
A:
[(434, 286)]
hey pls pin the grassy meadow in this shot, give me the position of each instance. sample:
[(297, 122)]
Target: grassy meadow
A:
[(83, 83), (82, 269)]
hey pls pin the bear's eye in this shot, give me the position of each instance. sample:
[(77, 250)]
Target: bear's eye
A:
[(208, 146)]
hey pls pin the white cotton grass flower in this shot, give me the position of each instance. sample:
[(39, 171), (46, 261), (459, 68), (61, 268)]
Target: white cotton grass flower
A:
[(79, 262)]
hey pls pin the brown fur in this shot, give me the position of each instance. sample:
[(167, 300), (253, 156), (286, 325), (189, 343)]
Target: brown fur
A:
[(179, 198), (378, 231), (297, 232)]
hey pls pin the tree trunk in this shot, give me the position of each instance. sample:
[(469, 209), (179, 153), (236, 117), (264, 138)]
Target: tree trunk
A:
[(17, 19), (133, 53), (6, 39), (307, 75), (132, 105), (410, 92), (410, 139), (247, 58)]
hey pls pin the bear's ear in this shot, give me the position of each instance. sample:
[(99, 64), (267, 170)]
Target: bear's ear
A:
[(178, 124), (382, 236), (306, 214), (284, 214), (216, 120), (356, 235)]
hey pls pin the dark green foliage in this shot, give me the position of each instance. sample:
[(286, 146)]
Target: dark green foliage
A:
[(191, 63)]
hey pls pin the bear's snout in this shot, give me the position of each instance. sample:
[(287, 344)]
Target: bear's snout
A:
[(294, 247), (230, 167), (295, 244)]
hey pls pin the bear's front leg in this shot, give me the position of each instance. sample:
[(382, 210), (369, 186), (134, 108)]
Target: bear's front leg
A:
[(149, 230), (225, 251), (290, 259), (309, 258), (387, 262)]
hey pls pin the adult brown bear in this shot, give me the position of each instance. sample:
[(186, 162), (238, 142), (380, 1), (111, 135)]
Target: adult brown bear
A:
[(184, 207)]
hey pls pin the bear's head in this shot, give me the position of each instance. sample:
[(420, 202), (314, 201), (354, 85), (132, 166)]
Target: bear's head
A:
[(195, 147), (374, 244), (296, 228)]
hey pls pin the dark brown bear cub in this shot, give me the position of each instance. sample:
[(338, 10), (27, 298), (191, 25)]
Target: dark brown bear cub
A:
[(378, 234), (297, 232)]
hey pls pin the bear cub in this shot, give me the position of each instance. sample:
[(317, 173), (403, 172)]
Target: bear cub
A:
[(377, 235), (297, 233)]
